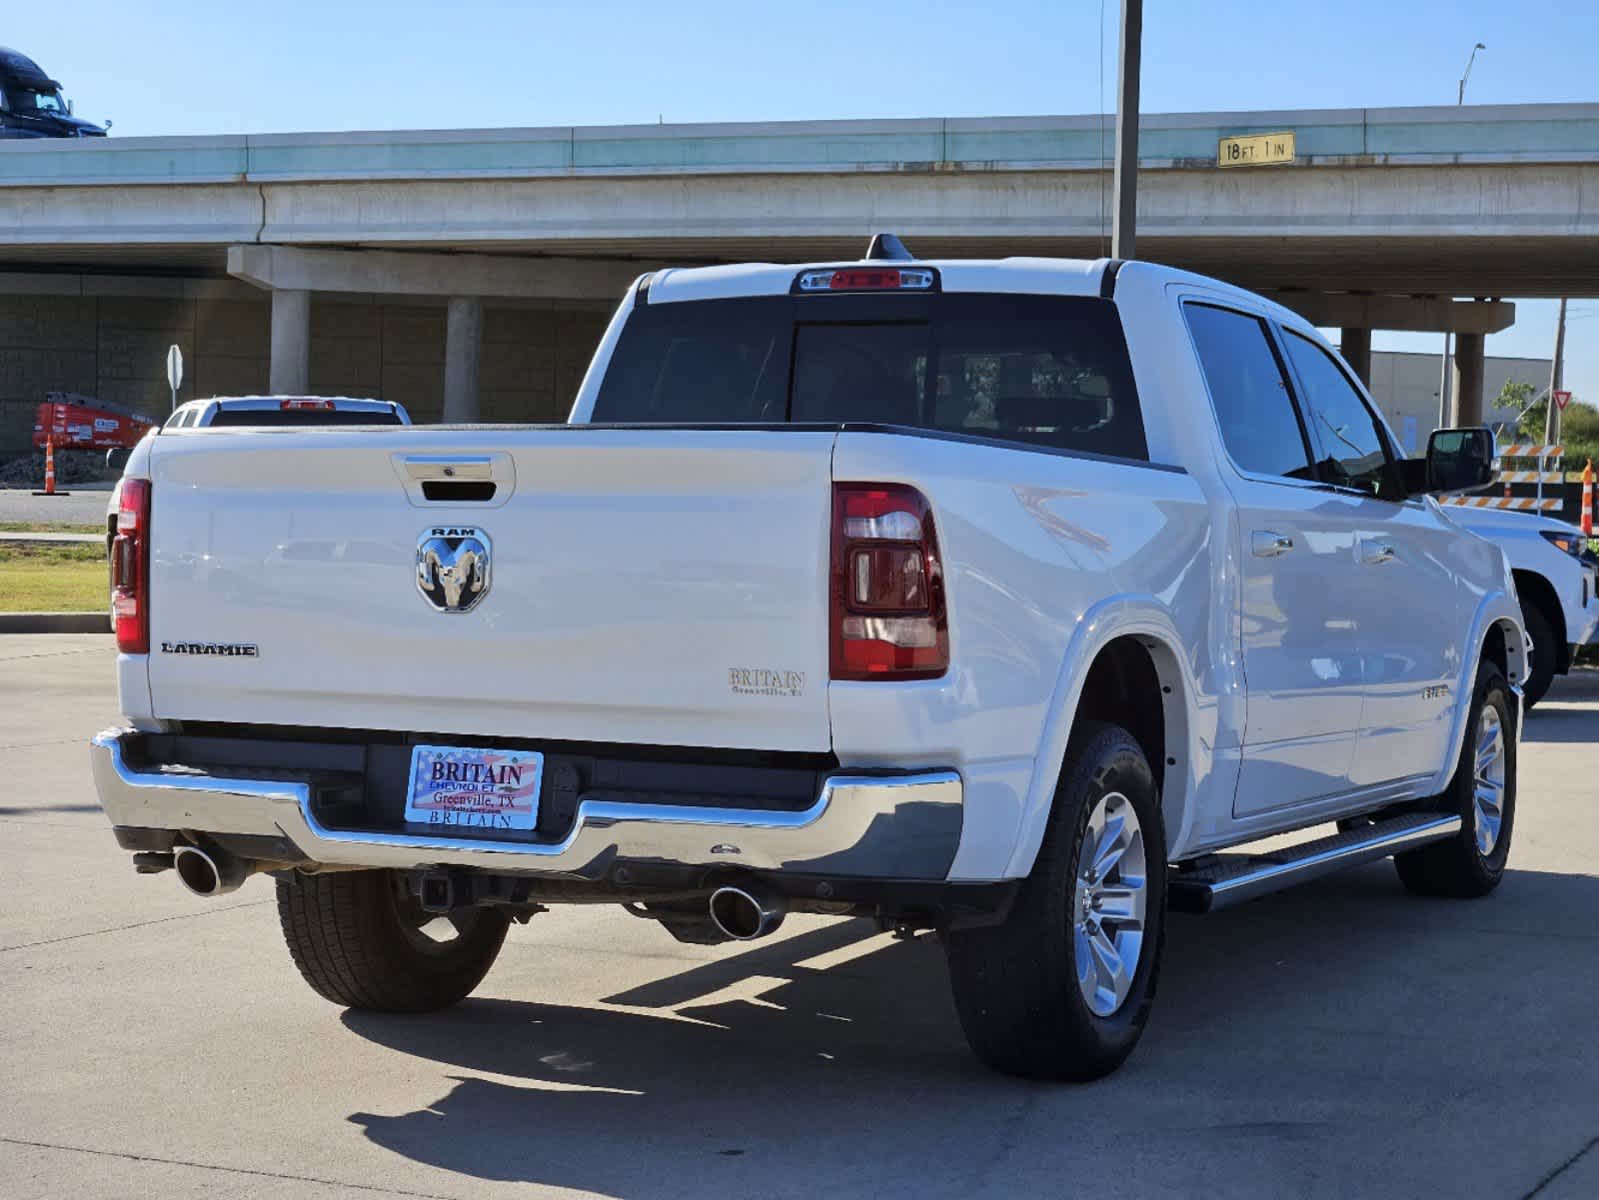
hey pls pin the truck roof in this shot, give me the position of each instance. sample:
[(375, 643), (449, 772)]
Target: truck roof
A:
[(19, 68), (353, 403), (1046, 276), (1027, 275)]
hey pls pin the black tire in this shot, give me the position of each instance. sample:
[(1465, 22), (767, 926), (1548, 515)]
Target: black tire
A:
[(1456, 867), (1545, 653), (1015, 983), (356, 938)]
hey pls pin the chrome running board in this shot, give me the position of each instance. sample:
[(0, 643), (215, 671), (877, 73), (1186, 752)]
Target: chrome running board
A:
[(1223, 880)]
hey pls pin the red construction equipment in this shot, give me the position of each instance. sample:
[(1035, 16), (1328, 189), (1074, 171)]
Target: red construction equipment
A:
[(82, 423)]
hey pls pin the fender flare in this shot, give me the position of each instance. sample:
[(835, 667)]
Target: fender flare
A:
[(1495, 608), (1144, 617)]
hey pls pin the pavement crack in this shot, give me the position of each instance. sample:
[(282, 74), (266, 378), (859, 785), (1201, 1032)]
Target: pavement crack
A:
[(1562, 1168), (50, 654), (48, 742), (201, 1166), (72, 937)]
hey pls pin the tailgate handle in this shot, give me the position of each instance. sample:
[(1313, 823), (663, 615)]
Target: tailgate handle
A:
[(487, 479), (447, 466)]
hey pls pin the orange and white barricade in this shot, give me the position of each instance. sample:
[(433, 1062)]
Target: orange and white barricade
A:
[(1540, 465)]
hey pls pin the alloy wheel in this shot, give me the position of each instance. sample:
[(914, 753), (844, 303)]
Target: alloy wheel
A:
[(1108, 904)]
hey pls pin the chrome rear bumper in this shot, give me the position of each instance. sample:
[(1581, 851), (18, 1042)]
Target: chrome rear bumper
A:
[(889, 827)]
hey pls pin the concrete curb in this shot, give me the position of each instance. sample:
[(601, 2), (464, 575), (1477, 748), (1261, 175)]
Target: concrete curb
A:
[(53, 539), (55, 622)]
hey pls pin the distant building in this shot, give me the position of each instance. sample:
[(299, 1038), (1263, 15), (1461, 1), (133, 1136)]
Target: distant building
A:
[(1406, 387)]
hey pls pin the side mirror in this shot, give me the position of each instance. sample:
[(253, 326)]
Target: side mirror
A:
[(1459, 460), (116, 458), (69, 108)]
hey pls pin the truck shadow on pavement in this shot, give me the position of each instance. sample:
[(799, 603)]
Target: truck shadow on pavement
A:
[(1559, 719), (1283, 1024), (25, 810)]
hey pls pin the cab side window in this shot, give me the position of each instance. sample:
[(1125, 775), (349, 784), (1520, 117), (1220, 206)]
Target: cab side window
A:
[(1258, 421), (1349, 447)]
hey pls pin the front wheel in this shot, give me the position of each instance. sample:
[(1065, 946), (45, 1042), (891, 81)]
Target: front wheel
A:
[(361, 939), (1483, 792), (1062, 988)]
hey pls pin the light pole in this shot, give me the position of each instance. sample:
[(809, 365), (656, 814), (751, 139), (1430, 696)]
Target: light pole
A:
[(1461, 98), (1443, 367), (1124, 222)]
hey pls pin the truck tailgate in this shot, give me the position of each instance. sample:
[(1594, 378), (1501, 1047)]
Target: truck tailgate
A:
[(662, 586)]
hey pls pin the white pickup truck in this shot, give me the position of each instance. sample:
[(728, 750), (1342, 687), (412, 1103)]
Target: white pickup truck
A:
[(1557, 583), (996, 598)]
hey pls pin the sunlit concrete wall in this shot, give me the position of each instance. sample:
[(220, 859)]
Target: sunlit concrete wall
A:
[(113, 347)]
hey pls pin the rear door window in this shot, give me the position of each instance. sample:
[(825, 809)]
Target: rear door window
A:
[(1249, 391), (1049, 371)]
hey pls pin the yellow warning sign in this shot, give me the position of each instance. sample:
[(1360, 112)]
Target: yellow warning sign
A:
[(1256, 150)]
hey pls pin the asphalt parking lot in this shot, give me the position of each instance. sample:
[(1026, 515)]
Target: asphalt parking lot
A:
[(80, 505), (1343, 1039)]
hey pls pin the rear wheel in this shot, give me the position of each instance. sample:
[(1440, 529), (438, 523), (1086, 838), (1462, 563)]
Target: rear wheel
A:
[(1062, 988), (362, 939), (1545, 653), (1483, 792)]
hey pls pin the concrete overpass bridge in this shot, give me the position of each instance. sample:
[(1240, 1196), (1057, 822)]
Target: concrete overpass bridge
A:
[(1384, 217)]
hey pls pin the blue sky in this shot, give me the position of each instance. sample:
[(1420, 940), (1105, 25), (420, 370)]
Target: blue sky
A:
[(188, 67)]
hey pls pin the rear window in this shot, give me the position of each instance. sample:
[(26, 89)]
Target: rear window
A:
[(1041, 370), (276, 417)]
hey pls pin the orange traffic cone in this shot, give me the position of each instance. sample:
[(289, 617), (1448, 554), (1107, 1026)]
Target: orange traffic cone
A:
[(1587, 499), (50, 470)]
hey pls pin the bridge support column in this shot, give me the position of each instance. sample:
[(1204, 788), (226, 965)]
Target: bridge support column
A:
[(1355, 346), (463, 338), (290, 373), (1468, 400)]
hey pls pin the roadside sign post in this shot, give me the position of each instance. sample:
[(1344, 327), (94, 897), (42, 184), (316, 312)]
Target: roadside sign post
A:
[(174, 373)]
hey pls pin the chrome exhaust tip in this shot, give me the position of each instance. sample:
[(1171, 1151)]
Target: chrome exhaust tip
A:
[(208, 872), (746, 913)]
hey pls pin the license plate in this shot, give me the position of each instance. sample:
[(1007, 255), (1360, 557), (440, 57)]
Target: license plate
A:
[(474, 788)]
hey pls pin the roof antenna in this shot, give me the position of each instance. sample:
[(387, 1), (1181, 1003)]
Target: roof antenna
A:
[(886, 245)]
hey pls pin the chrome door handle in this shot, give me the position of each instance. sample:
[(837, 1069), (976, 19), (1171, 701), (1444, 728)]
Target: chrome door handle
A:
[(1375, 552), (1267, 544)]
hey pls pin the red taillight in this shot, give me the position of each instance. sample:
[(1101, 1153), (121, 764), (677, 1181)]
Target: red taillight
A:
[(308, 403), (130, 568), (888, 614)]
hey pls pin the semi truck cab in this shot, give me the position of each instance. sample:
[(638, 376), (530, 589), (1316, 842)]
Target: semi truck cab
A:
[(33, 106)]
